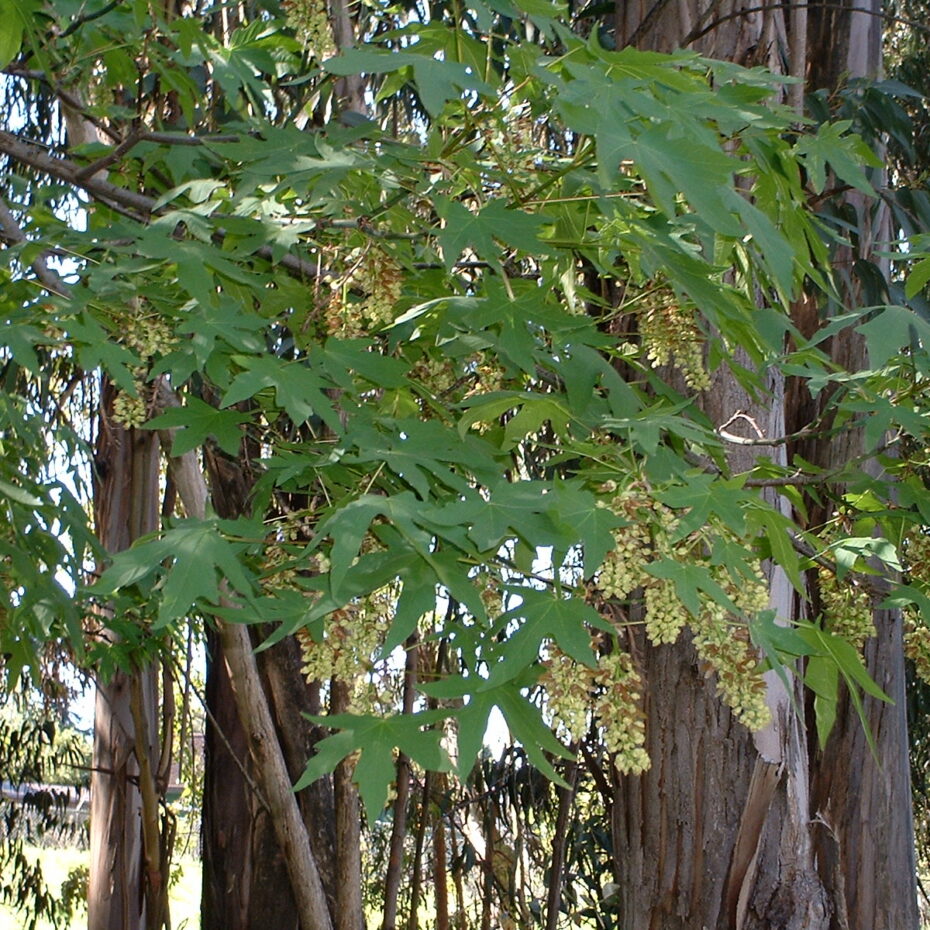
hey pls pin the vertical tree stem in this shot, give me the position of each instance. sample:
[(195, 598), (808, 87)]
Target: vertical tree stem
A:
[(457, 881), (440, 879), (417, 877), (490, 844), (349, 915), (156, 898), (399, 825), (566, 798)]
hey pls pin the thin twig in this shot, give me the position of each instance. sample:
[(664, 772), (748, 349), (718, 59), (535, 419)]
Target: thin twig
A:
[(761, 439), (789, 481), (101, 164), (89, 17), (177, 138), (201, 698)]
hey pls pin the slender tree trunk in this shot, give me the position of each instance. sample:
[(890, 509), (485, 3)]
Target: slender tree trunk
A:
[(395, 867), (566, 798), (348, 913), (440, 870), (243, 866), (125, 508)]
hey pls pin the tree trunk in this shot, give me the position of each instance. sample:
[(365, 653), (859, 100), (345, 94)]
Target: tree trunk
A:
[(242, 864), (245, 883), (125, 508), (727, 829)]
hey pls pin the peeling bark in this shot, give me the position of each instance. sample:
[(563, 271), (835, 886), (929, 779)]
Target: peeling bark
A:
[(256, 718), (125, 508)]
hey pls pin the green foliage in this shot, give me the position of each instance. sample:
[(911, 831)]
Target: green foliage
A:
[(400, 333)]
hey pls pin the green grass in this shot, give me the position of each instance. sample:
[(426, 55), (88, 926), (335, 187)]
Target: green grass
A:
[(57, 863)]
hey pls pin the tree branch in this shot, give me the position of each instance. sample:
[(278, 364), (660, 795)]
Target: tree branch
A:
[(12, 233), (101, 164), (566, 798), (139, 207), (89, 17)]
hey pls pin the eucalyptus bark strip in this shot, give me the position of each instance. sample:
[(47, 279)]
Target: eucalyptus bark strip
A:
[(168, 715), (272, 775), (125, 494), (351, 88), (156, 898)]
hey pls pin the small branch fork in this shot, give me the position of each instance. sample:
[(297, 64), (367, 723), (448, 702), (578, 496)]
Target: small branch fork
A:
[(761, 439)]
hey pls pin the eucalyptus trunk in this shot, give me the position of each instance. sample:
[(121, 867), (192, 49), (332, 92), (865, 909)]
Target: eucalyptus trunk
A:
[(245, 877), (729, 829), (125, 884)]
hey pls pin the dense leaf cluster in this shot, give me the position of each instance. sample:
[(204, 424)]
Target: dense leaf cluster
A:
[(441, 349)]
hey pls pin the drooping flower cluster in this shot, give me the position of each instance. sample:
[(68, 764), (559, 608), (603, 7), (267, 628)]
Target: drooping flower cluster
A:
[(439, 375), (149, 334), (651, 526), (625, 567), (847, 607), (624, 570), (917, 647), (491, 595), (665, 615), (310, 21), (916, 551), (129, 411), (375, 273), (609, 696), (618, 710), (352, 638), (382, 278), (567, 684), (281, 567), (669, 332), (721, 634), (726, 647)]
